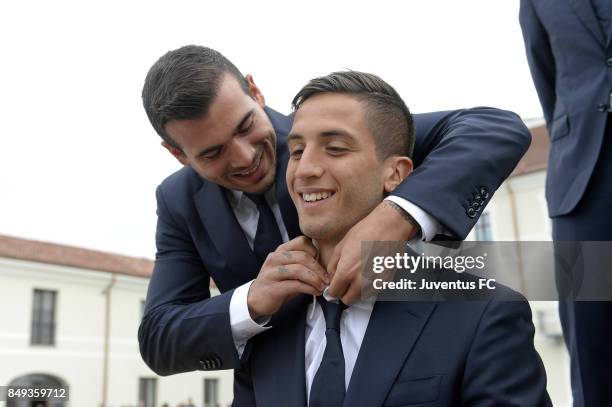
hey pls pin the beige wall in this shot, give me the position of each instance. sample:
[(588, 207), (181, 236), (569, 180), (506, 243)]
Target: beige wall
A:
[(77, 357)]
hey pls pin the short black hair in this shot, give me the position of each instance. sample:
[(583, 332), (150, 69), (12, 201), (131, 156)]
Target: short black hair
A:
[(182, 85), (387, 115)]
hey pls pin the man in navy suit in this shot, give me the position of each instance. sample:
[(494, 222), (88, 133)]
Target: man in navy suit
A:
[(349, 147), (220, 215), (569, 50)]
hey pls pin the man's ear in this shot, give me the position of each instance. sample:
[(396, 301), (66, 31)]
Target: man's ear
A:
[(255, 92), (397, 168), (176, 152)]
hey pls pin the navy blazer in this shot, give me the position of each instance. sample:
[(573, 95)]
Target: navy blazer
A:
[(570, 57), (461, 156), (468, 353)]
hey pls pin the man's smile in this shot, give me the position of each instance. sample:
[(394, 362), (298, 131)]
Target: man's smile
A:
[(311, 197)]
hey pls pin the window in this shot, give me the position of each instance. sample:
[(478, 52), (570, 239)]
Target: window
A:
[(483, 228), (211, 392), (147, 390), (43, 318)]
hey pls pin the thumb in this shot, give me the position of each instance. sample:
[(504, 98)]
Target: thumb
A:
[(332, 264)]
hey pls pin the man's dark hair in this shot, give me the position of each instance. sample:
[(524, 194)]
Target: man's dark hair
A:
[(182, 85), (386, 113)]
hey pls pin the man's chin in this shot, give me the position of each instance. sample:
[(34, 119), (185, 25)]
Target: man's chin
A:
[(315, 231)]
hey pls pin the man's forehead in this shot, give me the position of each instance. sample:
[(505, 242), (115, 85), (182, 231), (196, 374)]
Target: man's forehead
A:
[(230, 102), (330, 114)]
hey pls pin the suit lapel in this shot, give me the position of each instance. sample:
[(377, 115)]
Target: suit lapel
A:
[(393, 330), (220, 222), (585, 12)]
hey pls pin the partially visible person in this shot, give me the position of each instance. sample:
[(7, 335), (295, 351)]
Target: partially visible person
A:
[(225, 213), (569, 50), (349, 147)]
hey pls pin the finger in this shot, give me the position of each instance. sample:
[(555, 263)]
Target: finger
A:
[(303, 258), (353, 293), (339, 285), (302, 243), (291, 288), (332, 264), (301, 273)]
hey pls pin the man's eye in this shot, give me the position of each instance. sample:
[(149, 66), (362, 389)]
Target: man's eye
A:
[(248, 127), (336, 150), (212, 154), (296, 152)]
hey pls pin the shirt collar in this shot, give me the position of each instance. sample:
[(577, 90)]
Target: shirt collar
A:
[(236, 196), (366, 304)]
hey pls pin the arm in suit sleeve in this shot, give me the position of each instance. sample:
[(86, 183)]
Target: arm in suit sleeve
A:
[(457, 153), (539, 56), (503, 367), (244, 393), (183, 328)]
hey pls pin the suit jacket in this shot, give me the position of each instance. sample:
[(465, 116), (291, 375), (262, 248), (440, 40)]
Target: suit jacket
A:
[(421, 354), (570, 57), (462, 157)]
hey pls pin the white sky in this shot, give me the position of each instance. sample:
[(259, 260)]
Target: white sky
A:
[(79, 162)]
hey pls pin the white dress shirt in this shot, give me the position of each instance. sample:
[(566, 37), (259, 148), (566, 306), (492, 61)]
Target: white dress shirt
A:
[(242, 326)]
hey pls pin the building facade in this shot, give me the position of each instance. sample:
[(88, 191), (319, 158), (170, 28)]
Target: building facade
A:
[(70, 318)]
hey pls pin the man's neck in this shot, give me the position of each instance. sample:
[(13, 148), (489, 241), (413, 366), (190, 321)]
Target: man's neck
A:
[(326, 249)]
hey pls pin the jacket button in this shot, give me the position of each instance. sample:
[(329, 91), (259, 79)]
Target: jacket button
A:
[(484, 192), (471, 212), (609, 62), (602, 107), (476, 205)]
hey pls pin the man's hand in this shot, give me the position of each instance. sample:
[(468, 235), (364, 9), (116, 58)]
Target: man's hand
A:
[(387, 222), (290, 270)]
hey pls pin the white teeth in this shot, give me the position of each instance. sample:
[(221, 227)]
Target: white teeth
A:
[(249, 172), (316, 196)]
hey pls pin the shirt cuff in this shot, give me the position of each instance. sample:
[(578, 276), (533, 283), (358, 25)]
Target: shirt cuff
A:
[(430, 227), (243, 326)]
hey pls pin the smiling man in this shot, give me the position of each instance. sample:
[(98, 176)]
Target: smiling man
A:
[(349, 147), (239, 150), (225, 213)]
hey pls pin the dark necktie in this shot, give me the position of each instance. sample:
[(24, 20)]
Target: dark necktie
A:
[(268, 236), (328, 384)]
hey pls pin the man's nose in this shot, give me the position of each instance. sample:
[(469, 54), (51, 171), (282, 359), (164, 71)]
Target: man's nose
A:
[(309, 165), (242, 153)]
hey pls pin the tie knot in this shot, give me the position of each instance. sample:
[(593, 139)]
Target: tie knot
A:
[(332, 312), (258, 199)]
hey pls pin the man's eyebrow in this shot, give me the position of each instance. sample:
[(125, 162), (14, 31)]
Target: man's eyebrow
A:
[(336, 133), (294, 136), (325, 134)]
